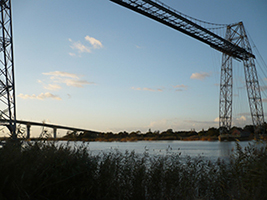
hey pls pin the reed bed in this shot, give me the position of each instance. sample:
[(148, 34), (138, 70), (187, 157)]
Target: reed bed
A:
[(48, 171)]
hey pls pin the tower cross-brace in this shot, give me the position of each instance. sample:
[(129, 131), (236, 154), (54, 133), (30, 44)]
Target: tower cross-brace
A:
[(7, 79), (236, 34)]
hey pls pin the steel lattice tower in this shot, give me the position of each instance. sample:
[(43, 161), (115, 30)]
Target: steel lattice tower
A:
[(226, 89), (236, 35), (7, 79)]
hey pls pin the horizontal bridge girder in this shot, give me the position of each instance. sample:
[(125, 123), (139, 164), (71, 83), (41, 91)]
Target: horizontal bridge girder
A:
[(165, 15), (29, 123)]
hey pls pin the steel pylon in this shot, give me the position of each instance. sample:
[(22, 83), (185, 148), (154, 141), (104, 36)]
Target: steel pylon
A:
[(236, 34), (7, 79)]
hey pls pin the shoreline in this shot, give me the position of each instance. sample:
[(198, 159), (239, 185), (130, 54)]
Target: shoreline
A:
[(209, 139), (116, 138)]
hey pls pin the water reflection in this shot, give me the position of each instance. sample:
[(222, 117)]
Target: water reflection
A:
[(209, 150), (225, 149)]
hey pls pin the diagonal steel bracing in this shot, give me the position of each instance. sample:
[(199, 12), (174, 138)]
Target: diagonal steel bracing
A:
[(226, 92), (236, 34), (7, 79)]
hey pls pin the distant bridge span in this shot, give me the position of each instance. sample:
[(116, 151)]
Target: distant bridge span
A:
[(28, 124)]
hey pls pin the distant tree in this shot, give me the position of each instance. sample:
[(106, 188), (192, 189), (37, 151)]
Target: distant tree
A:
[(236, 128), (213, 132), (135, 134), (71, 135), (249, 128), (86, 134), (109, 135), (202, 132), (181, 133), (167, 132), (157, 132), (149, 132), (123, 134), (170, 131), (191, 133), (223, 130)]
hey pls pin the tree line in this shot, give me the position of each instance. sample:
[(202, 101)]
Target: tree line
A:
[(169, 134)]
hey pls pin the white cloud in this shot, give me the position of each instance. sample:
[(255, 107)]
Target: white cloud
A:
[(180, 87), (94, 42), (62, 74), (80, 47), (160, 124), (241, 121), (199, 122), (59, 77), (72, 54), (139, 47), (181, 124), (148, 89), (77, 45), (200, 76), (52, 87), (55, 81), (217, 119), (77, 83), (242, 118), (41, 96), (136, 88)]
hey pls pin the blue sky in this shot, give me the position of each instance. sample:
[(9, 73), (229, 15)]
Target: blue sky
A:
[(93, 64)]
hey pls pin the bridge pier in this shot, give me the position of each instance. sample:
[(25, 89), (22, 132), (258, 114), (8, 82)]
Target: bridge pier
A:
[(55, 132), (28, 131)]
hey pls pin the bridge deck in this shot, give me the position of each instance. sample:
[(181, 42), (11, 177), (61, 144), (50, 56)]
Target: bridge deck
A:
[(5, 122)]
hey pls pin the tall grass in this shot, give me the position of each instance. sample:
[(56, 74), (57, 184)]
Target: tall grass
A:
[(47, 171)]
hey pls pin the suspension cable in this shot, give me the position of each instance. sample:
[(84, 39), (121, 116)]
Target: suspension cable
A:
[(192, 18), (262, 69)]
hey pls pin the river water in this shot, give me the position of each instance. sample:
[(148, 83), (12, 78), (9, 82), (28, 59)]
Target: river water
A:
[(210, 150)]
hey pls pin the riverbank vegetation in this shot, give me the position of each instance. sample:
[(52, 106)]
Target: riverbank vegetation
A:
[(43, 170), (246, 133)]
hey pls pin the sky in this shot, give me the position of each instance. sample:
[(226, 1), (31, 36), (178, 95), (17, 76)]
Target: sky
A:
[(95, 65)]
